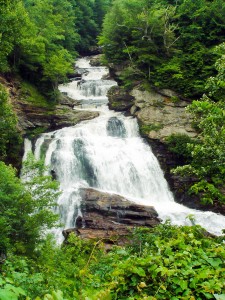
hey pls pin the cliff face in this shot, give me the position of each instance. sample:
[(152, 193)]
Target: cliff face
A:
[(162, 113), (33, 117), (35, 114)]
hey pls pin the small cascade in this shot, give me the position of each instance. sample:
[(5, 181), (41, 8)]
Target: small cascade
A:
[(108, 154)]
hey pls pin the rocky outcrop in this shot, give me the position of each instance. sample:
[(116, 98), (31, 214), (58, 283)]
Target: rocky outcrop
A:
[(119, 99), (109, 215), (96, 60), (31, 117), (161, 114)]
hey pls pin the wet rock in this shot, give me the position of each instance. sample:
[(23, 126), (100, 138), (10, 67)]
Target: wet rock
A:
[(96, 60), (108, 215), (119, 99)]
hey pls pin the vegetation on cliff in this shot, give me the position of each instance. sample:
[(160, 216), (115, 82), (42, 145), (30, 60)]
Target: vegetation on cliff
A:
[(168, 43), (178, 45), (207, 161)]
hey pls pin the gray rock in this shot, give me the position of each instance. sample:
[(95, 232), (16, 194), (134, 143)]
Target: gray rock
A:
[(31, 117), (164, 110), (119, 99), (96, 60)]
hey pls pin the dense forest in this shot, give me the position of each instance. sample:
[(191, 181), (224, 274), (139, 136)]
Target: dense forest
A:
[(174, 44)]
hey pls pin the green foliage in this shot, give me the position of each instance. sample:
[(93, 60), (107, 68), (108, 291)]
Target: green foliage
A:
[(10, 139), (207, 156), (40, 39), (146, 128), (180, 144), (167, 262), (57, 67), (169, 42), (29, 93), (26, 209), (216, 84)]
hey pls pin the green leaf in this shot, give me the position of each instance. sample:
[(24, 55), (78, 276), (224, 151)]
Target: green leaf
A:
[(139, 271), (214, 262), (219, 297), (6, 295), (57, 295)]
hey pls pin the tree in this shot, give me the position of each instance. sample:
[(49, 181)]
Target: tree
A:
[(10, 138), (12, 23), (57, 67), (208, 157), (85, 25), (170, 42), (25, 208)]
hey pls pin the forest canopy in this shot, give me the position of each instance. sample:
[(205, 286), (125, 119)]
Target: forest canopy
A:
[(168, 43), (35, 35)]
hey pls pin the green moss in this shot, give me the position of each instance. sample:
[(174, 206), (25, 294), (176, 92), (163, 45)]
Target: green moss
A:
[(29, 93), (146, 128), (116, 104), (146, 86), (158, 103), (175, 99)]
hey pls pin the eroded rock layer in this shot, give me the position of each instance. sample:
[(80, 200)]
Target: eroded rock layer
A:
[(107, 215)]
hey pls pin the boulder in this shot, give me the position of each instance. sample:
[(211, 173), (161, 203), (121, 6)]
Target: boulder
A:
[(107, 215), (119, 99), (96, 60)]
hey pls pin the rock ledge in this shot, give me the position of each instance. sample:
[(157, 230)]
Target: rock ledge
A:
[(109, 215)]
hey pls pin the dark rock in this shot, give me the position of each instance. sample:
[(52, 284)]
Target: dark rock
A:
[(119, 99), (107, 215), (115, 71)]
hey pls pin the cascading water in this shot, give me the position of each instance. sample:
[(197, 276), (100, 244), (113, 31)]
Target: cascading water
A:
[(108, 154)]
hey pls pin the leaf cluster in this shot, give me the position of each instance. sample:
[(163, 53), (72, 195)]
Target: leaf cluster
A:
[(167, 262)]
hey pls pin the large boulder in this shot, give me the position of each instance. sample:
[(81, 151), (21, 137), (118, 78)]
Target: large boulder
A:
[(107, 215), (120, 99)]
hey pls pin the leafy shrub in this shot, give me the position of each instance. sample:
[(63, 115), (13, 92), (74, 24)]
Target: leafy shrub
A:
[(166, 262), (179, 144)]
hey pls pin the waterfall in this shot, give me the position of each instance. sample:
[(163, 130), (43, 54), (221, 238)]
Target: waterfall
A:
[(108, 154)]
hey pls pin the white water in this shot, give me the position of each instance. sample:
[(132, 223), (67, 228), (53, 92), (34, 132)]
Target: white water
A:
[(108, 154)]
